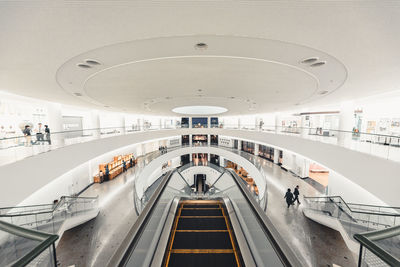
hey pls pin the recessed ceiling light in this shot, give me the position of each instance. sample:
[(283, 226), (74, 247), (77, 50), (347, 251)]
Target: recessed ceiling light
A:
[(199, 110), (201, 46), (106, 106), (323, 92), (232, 97), (92, 62), (317, 64), (309, 60), (78, 94), (84, 66), (168, 97)]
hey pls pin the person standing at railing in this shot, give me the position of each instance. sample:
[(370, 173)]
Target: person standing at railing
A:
[(123, 166), (47, 132), (289, 197), (39, 133), (296, 194), (107, 173), (28, 135)]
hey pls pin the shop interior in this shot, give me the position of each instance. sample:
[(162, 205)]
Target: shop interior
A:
[(266, 152), (248, 147), (214, 159), (185, 140), (214, 140), (199, 139), (200, 159), (319, 174), (200, 122)]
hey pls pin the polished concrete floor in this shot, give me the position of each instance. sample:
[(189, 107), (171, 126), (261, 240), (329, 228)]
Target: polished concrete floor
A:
[(92, 243)]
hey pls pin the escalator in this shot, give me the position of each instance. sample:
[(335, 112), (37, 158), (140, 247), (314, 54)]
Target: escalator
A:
[(202, 235), (223, 227)]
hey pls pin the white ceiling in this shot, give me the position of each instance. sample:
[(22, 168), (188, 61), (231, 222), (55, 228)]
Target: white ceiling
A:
[(149, 63)]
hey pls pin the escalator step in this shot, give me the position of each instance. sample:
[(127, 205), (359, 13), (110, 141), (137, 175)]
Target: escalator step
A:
[(202, 240), (201, 260), (201, 212), (200, 206), (201, 224)]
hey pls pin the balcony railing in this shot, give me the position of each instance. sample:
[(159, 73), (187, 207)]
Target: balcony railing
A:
[(381, 145)]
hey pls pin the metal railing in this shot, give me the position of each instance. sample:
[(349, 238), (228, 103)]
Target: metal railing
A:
[(382, 145), (21, 246), (48, 218), (379, 248), (355, 218)]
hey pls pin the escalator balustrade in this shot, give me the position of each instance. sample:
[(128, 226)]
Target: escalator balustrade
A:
[(202, 236)]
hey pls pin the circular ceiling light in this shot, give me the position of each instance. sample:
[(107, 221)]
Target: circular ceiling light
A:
[(199, 110), (201, 46)]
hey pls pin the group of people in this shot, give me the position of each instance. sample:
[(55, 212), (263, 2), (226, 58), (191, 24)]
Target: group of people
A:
[(162, 149), (291, 198), (41, 132)]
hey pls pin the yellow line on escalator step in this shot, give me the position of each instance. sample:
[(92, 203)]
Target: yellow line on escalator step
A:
[(201, 231), (201, 251)]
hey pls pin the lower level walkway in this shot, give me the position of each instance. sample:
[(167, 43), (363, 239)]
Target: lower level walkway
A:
[(92, 243)]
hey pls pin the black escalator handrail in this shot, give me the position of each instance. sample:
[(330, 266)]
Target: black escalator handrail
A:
[(46, 240), (367, 240), (284, 252), (123, 253)]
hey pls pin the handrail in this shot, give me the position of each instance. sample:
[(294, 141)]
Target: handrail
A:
[(121, 255), (357, 211), (45, 239), (284, 252), (366, 240)]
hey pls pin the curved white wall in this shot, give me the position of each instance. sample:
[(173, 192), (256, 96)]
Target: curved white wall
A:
[(150, 172), (376, 175)]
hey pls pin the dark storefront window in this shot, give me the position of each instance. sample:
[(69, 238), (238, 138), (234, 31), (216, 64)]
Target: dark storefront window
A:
[(185, 122), (185, 140), (214, 122), (248, 147), (199, 122), (266, 152), (214, 140)]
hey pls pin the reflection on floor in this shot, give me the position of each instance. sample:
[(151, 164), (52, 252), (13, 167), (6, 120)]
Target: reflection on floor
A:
[(93, 243)]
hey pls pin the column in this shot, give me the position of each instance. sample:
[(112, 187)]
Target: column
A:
[(256, 146), (277, 123), (55, 123), (208, 140), (276, 155), (305, 125), (346, 121)]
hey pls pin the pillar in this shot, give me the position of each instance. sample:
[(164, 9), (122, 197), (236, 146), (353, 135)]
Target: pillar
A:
[(346, 121), (276, 155)]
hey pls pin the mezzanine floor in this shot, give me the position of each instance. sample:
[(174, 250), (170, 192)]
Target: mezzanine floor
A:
[(92, 243)]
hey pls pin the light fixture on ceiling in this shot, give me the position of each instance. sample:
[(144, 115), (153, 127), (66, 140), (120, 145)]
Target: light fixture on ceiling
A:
[(92, 62), (231, 97), (318, 64), (84, 66), (201, 46), (309, 60), (323, 92), (199, 110), (106, 106), (77, 94)]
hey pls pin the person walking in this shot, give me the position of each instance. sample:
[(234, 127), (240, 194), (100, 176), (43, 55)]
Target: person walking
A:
[(123, 166), (296, 194), (289, 197)]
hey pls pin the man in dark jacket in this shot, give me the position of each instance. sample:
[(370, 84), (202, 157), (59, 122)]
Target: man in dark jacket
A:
[(296, 194), (289, 198)]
